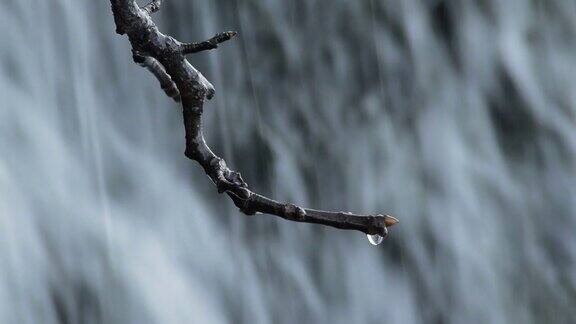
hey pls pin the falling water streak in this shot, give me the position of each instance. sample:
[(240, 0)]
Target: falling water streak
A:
[(215, 65), (92, 136), (223, 116), (376, 48), (247, 59), (102, 196)]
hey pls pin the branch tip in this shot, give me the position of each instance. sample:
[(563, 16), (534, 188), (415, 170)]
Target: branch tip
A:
[(226, 36), (390, 221), (212, 43)]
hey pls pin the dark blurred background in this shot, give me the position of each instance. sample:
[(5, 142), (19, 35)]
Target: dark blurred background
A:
[(457, 117)]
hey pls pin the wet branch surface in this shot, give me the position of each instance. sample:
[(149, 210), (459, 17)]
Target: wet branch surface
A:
[(165, 57)]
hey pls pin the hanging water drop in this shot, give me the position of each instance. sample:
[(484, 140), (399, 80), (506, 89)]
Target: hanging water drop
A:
[(376, 239)]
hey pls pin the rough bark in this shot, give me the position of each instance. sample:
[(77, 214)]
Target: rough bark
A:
[(165, 57)]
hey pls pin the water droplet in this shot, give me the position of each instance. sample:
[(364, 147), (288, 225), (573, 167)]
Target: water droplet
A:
[(377, 238)]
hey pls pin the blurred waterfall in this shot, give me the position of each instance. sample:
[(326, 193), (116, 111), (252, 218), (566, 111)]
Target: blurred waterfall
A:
[(458, 117)]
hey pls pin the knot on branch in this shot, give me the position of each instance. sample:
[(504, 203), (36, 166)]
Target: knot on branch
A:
[(295, 212), (227, 180)]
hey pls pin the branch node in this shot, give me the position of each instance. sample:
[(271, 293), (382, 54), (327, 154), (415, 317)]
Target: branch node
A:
[(227, 180), (296, 212)]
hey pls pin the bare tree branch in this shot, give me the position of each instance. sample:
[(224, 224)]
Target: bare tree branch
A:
[(165, 58)]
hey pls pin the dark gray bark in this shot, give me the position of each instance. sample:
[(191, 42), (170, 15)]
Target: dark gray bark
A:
[(165, 58)]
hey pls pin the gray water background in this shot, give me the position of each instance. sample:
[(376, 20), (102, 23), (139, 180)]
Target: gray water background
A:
[(458, 117)]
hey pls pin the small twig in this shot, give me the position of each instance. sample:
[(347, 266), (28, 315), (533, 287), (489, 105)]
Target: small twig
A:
[(152, 65), (212, 43), (165, 58)]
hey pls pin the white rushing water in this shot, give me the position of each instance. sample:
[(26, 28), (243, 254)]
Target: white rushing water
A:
[(457, 117)]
